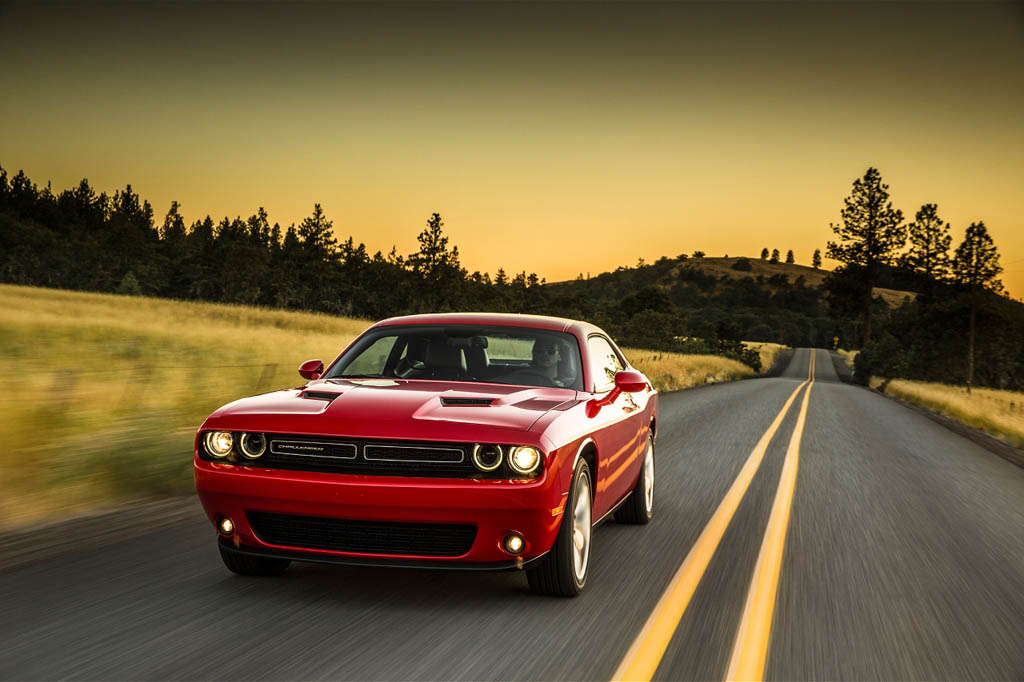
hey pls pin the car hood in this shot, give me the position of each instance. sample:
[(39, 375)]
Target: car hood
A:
[(372, 407)]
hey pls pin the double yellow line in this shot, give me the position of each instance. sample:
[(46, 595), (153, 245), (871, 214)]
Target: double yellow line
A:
[(751, 647)]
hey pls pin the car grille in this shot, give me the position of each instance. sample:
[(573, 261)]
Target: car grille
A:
[(365, 537), (371, 458)]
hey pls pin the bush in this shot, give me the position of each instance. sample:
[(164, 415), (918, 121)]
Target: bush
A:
[(129, 286), (885, 357), (742, 264)]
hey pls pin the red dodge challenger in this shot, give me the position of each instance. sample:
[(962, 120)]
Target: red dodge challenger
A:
[(447, 441)]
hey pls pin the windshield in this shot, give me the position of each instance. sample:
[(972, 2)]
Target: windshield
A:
[(502, 355)]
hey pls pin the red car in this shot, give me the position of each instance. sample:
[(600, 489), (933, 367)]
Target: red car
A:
[(457, 441)]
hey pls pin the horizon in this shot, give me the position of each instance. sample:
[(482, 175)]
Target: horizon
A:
[(561, 128)]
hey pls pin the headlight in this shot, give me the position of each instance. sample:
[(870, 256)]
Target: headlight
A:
[(253, 445), (487, 457), (218, 443), (524, 459)]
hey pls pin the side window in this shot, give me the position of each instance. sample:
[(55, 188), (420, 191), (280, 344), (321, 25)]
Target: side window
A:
[(604, 363)]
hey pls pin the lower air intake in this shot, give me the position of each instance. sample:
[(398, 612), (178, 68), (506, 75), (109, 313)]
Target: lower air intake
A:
[(365, 537)]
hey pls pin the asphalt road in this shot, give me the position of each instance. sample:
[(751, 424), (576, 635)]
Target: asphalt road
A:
[(904, 559)]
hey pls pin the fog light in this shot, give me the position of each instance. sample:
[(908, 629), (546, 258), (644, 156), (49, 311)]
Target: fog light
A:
[(513, 543), (225, 526)]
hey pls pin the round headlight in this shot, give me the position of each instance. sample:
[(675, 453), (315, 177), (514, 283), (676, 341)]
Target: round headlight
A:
[(487, 457), (524, 459), (253, 445), (218, 443)]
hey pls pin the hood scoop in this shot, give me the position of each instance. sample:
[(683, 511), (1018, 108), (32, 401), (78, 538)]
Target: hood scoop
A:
[(320, 395), (467, 402)]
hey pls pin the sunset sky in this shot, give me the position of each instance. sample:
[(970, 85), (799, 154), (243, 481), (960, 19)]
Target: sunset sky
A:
[(555, 138)]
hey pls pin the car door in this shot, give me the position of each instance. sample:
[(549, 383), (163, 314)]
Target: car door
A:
[(617, 428)]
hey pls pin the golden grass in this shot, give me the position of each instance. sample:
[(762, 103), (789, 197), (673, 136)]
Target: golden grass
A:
[(674, 371), (998, 413), (849, 356), (766, 351), (103, 393)]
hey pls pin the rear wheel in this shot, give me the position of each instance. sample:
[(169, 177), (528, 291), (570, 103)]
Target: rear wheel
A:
[(563, 572), (244, 564), (639, 507)]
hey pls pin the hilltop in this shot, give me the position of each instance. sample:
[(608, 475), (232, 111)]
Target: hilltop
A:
[(764, 272)]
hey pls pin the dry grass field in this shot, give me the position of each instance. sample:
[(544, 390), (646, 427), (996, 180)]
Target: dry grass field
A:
[(998, 413), (103, 394), (674, 371), (767, 352)]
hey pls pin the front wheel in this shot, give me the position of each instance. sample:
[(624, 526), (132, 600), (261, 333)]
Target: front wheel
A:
[(563, 572), (639, 508)]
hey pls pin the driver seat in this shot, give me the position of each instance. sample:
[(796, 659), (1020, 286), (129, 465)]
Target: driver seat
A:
[(444, 362)]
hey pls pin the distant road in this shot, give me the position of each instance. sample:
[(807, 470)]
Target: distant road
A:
[(903, 558)]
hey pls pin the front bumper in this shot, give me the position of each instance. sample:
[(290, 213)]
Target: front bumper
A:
[(532, 508)]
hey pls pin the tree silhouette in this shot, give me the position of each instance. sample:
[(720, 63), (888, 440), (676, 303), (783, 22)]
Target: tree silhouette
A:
[(698, 254), (976, 266), (871, 233), (929, 245), (764, 253), (316, 234), (438, 267), (775, 256), (789, 257), (173, 229), (816, 259)]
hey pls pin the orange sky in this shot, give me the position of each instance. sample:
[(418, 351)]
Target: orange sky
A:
[(552, 138)]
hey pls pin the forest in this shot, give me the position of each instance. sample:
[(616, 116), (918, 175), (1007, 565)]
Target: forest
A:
[(954, 325)]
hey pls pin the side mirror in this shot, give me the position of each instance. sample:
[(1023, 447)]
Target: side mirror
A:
[(629, 381), (311, 369), (626, 381)]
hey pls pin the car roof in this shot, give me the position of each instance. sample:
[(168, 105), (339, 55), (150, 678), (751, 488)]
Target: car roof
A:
[(497, 319)]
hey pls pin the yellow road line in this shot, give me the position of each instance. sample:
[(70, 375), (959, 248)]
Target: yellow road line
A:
[(751, 648), (645, 654)]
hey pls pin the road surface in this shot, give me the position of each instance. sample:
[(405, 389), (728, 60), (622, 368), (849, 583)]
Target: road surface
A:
[(900, 555)]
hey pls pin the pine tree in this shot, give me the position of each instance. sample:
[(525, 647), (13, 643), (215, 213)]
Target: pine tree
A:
[(789, 257), (816, 259), (976, 266), (316, 233), (775, 256), (764, 253), (173, 229), (871, 234), (929, 245), (433, 254)]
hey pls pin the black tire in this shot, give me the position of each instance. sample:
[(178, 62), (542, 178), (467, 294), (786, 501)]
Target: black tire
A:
[(556, 574), (638, 507), (244, 564)]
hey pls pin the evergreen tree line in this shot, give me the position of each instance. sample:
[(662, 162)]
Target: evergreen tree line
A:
[(79, 239), (958, 329)]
